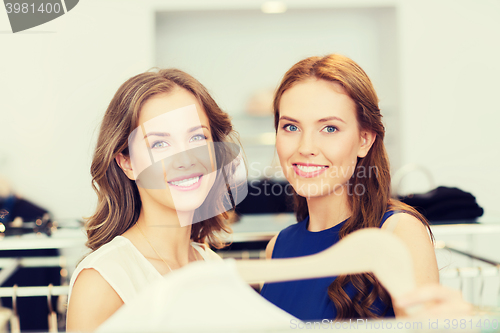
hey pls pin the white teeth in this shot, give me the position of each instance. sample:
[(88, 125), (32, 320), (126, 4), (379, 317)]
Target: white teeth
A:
[(309, 168), (186, 182)]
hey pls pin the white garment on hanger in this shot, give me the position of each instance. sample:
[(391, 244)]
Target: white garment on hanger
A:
[(125, 268), (200, 297)]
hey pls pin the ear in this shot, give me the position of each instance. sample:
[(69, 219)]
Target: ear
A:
[(367, 139), (125, 164)]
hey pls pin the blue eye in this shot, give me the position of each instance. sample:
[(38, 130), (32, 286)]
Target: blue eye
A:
[(198, 137), (329, 129), (290, 128), (159, 144)]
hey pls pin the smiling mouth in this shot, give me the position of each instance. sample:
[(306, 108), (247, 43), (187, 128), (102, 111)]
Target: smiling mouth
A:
[(185, 182), (308, 171), (310, 168)]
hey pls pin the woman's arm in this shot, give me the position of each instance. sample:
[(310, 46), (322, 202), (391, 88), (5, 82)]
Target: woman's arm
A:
[(270, 247), (92, 301), (414, 234)]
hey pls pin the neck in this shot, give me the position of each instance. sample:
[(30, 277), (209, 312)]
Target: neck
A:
[(168, 230), (328, 211)]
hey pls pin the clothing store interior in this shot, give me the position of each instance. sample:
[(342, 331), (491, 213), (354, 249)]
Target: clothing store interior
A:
[(434, 66)]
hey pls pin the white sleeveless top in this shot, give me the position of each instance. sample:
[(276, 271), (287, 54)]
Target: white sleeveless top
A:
[(125, 268)]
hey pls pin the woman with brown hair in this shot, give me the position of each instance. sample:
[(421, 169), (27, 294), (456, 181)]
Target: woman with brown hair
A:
[(156, 167), (329, 139)]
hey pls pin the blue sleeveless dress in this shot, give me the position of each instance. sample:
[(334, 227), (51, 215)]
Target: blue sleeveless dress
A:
[(308, 299)]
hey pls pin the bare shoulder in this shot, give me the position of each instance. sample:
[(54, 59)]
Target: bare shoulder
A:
[(92, 301), (403, 224), (270, 247), (415, 235)]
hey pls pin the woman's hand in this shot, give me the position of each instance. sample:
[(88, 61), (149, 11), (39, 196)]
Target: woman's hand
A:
[(434, 301)]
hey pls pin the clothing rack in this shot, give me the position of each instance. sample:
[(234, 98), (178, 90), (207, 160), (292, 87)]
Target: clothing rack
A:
[(472, 256), (34, 291), (470, 272), (47, 291), (10, 265), (475, 275)]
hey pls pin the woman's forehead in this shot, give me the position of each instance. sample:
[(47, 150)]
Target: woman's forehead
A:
[(178, 121), (177, 105), (316, 99)]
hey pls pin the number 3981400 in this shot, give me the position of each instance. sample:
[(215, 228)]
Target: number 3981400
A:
[(31, 8)]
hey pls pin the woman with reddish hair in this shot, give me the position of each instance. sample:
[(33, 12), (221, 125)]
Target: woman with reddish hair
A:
[(329, 139)]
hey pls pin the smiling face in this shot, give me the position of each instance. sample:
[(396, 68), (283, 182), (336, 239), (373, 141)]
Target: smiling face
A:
[(318, 138), (171, 155)]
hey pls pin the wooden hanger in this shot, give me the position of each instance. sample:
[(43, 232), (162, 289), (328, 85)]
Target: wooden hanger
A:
[(365, 250), (52, 317), (15, 325)]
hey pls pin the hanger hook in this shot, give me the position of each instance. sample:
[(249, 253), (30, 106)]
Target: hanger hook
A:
[(461, 285), (481, 286), (402, 172), (49, 297), (14, 299)]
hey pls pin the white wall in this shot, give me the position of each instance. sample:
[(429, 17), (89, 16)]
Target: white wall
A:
[(241, 51), (450, 75), (55, 84), (450, 72)]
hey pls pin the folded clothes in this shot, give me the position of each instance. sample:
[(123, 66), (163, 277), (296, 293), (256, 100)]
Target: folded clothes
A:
[(13, 207), (445, 204)]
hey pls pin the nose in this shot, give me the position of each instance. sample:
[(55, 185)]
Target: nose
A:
[(307, 146), (184, 159)]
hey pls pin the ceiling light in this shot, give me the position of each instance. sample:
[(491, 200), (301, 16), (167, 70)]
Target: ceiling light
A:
[(273, 7)]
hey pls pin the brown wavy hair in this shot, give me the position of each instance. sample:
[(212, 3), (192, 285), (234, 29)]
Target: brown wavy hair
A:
[(367, 209), (119, 203)]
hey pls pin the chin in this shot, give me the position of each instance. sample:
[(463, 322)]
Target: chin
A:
[(187, 209), (187, 204), (316, 189), (311, 195), (187, 201)]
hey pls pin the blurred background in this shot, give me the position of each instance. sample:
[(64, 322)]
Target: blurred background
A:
[(434, 64)]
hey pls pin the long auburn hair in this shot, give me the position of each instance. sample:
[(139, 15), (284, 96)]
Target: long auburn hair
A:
[(367, 209), (119, 202)]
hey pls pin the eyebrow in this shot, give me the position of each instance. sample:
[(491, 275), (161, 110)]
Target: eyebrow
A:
[(289, 119), (192, 129), (322, 120)]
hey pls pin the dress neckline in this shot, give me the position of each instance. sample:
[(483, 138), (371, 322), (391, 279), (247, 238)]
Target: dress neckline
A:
[(193, 244), (334, 228)]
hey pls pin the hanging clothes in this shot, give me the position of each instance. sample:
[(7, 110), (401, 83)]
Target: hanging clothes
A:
[(200, 297)]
